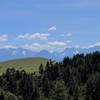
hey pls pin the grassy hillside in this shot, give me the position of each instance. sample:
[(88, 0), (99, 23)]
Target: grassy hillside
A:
[(28, 64)]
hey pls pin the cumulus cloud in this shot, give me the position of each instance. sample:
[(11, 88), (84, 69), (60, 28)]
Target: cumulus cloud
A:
[(3, 37), (57, 43), (96, 44), (50, 46), (8, 47), (36, 47), (35, 36), (53, 28)]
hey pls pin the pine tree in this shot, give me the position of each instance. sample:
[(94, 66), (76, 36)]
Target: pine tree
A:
[(59, 91), (41, 69), (1, 96)]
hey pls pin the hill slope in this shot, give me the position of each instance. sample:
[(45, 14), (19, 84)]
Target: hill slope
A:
[(28, 64)]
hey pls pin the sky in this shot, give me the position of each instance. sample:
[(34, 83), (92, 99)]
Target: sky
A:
[(52, 25)]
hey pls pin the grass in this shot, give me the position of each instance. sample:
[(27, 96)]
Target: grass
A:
[(30, 65)]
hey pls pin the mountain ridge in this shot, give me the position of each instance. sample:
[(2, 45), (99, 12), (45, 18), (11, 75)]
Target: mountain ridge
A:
[(17, 53)]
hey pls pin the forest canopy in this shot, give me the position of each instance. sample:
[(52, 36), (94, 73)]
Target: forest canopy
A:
[(76, 78)]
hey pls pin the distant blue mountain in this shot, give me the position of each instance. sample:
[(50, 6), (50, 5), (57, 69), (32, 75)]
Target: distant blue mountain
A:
[(9, 53)]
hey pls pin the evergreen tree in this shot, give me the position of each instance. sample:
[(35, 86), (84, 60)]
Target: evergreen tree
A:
[(59, 91), (41, 70)]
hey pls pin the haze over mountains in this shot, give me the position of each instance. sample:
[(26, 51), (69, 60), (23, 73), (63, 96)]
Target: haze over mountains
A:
[(15, 53)]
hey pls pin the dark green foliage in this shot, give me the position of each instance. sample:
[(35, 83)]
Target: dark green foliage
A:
[(8, 96), (59, 91), (41, 70), (76, 78), (20, 84)]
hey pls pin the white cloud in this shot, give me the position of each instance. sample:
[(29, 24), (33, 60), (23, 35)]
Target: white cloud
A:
[(35, 36), (3, 37), (36, 47), (69, 34), (50, 46), (96, 44), (53, 28), (8, 47), (57, 43)]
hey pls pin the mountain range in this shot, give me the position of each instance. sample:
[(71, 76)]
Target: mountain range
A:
[(16, 53)]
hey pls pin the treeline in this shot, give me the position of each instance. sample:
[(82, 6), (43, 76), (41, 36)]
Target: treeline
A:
[(76, 78)]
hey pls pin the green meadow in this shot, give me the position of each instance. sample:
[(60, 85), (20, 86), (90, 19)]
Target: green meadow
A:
[(30, 65)]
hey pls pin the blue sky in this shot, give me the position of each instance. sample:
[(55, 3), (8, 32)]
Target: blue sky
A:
[(49, 24)]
